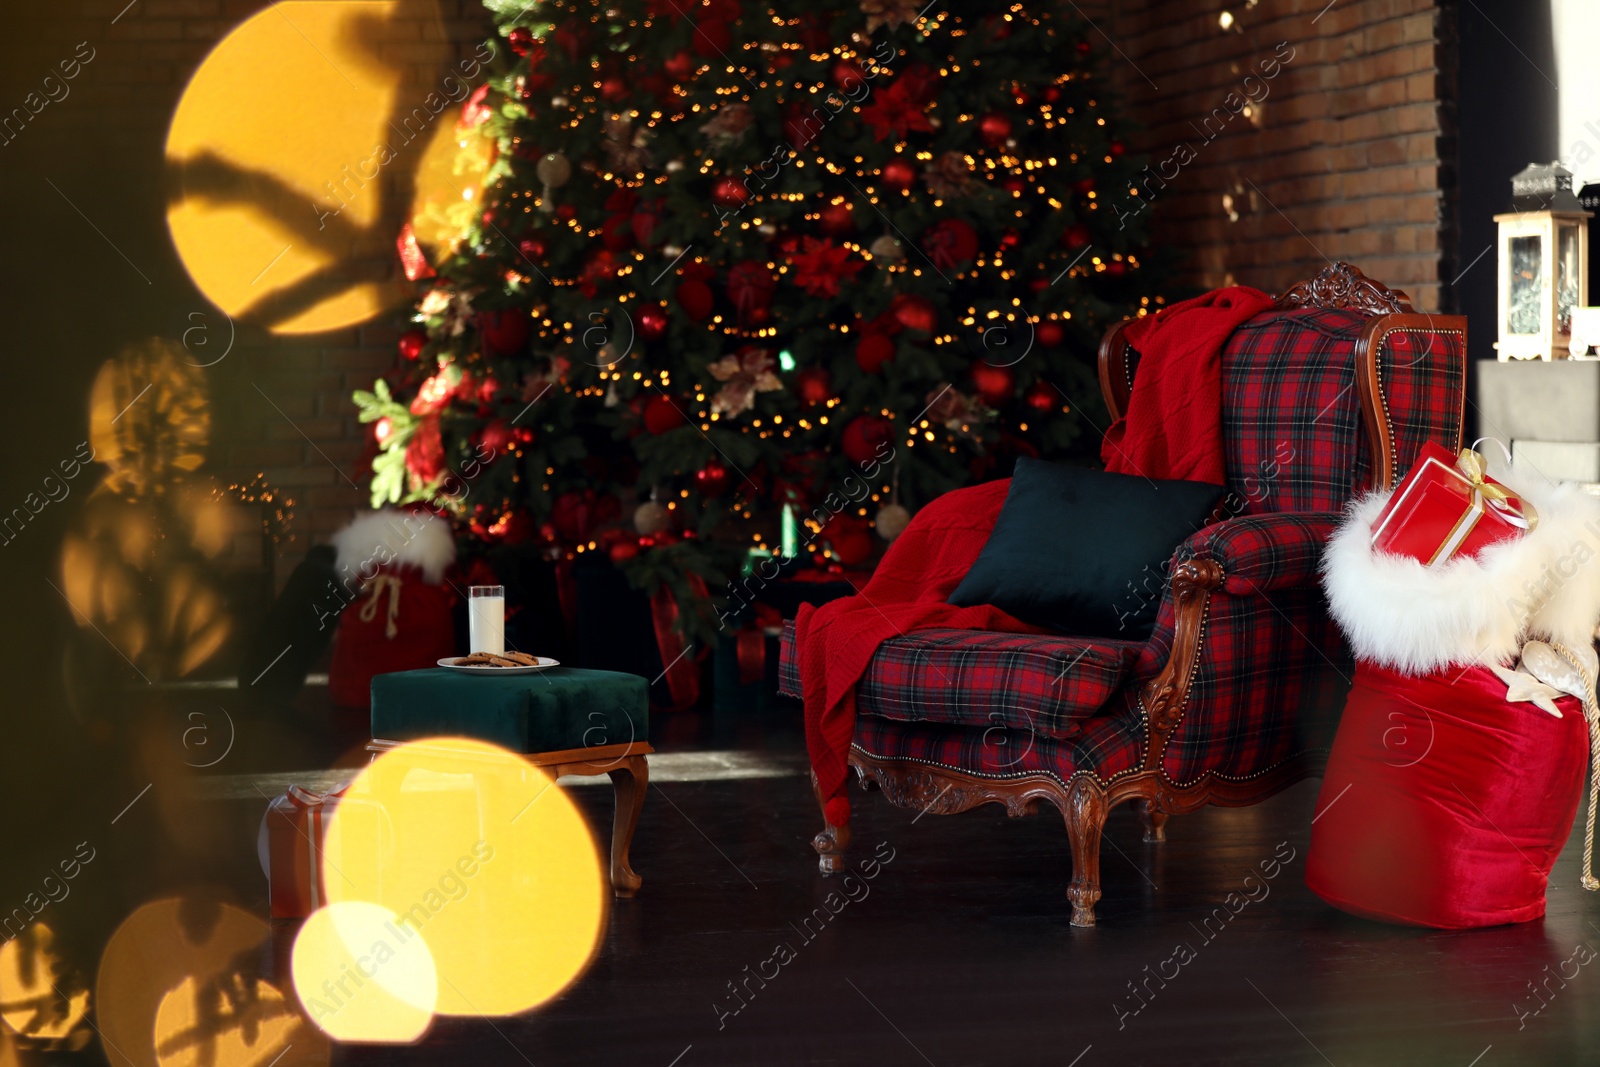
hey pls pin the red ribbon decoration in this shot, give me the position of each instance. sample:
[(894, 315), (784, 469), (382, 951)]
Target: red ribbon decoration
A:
[(682, 670), (412, 259)]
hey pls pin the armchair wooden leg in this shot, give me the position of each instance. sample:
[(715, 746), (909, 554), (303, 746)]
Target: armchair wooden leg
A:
[(630, 780), (832, 841), (1155, 822), (1086, 817)]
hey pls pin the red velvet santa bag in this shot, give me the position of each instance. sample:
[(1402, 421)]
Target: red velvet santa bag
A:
[(1444, 804), (1450, 792), (402, 616)]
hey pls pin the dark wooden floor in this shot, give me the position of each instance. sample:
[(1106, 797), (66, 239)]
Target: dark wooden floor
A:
[(959, 950)]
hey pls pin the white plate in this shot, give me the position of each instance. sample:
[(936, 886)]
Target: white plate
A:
[(544, 661)]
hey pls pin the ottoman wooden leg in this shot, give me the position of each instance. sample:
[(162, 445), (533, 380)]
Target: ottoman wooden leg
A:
[(629, 781)]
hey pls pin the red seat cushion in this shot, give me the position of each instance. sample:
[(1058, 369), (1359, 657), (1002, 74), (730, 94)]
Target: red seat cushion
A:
[(1443, 805), (1041, 684)]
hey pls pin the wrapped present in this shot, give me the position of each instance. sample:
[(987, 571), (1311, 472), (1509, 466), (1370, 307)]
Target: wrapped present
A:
[(1447, 507), (292, 835)]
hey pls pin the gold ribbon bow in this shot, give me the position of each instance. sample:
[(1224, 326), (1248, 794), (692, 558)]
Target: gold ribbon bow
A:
[(1494, 494), (369, 610)]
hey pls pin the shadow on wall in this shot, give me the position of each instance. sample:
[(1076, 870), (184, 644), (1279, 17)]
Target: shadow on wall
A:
[(293, 148)]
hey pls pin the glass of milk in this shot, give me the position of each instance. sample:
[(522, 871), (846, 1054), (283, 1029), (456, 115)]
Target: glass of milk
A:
[(486, 618)]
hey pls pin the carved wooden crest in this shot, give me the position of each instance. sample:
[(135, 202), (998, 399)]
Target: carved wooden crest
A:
[(1342, 285)]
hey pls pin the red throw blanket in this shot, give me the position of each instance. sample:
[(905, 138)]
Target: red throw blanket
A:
[(907, 592), (1173, 425), (1173, 429)]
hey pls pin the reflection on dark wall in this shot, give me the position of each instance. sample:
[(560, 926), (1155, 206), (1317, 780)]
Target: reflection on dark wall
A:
[(1507, 116)]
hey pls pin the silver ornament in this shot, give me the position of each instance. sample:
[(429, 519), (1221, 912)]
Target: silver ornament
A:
[(650, 518), (888, 248), (554, 170), (891, 521)]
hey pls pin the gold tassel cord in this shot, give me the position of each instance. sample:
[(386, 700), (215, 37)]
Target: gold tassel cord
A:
[(1591, 714)]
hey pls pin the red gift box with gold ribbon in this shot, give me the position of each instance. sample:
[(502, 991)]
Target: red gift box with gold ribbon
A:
[(1446, 506)]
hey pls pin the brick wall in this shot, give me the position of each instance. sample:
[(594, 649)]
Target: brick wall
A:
[(103, 269), (1340, 146)]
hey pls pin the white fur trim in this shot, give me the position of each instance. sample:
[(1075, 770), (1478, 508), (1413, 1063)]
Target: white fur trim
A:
[(390, 536), (1402, 614)]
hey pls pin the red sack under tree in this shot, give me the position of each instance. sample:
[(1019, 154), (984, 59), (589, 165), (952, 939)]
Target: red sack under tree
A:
[(1450, 792), (402, 616)]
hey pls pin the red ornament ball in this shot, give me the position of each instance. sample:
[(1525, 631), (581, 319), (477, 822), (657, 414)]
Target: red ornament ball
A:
[(503, 331), (1014, 186), (1083, 186), (533, 249), (873, 351), (679, 66), (662, 413), (1041, 397), (994, 128), (613, 88), (848, 76), (863, 436), (622, 551), (814, 385), (1076, 236), (521, 40), (651, 323), (851, 543), (1050, 333), (695, 298), (899, 175), (837, 220), (712, 479), (1083, 48), (730, 193), (915, 313), (1117, 149), (496, 437), (1117, 268), (412, 343), (1010, 240), (995, 385)]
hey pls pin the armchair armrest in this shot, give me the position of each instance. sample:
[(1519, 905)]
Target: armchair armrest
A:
[(1259, 553)]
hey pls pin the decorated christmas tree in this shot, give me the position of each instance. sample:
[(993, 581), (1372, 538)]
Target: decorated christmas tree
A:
[(712, 271)]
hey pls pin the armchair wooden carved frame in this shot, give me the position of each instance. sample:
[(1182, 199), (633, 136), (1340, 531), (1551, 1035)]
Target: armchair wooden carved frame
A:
[(1084, 800)]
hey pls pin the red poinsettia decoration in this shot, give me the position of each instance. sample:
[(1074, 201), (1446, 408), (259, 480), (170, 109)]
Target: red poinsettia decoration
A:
[(821, 265), (425, 451), (896, 111), (750, 371)]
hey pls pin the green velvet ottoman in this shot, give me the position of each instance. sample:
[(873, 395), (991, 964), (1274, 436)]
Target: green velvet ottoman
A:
[(565, 720)]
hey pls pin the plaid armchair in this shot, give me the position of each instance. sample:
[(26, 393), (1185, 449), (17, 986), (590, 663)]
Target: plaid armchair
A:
[(1237, 692)]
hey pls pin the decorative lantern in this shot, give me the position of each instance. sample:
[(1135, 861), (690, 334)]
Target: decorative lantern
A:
[(1544, 264)]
